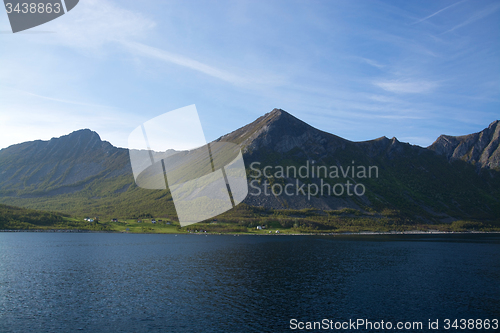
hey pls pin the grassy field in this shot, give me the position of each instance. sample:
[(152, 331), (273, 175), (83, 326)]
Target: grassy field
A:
[(243, 219), (146, 226), (275, 227)]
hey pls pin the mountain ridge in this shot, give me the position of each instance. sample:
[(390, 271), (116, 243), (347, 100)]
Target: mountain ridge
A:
[(480, 148)]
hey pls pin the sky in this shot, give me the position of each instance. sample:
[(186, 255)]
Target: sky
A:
[(357, 69)]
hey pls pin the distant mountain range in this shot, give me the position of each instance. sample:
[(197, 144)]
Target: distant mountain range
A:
[(454, 178)]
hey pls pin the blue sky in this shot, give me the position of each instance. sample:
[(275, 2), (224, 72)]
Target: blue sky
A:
[(357, 69)]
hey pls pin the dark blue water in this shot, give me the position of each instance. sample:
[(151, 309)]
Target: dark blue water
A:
[(54, 282)]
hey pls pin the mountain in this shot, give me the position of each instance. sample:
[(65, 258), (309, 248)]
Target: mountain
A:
[(455, 178), (60, 165), (481, 149), (77, 174), (278, 132), (423, 184)]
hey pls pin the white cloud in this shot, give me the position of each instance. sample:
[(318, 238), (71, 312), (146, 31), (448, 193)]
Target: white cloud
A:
[(40, 97), (180, 60), (372, 62), (382, 98), (58, 99), (439, 11), (407, 86), (477, 16), (98, 22)]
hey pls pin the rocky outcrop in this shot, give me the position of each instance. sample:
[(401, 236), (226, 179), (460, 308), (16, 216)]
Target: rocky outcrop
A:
[(481, 149)]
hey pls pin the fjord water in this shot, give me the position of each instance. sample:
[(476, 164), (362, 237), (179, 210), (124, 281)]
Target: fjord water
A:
[(98, 282)]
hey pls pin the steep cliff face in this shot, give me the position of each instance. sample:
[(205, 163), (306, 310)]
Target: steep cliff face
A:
[(480, 149)]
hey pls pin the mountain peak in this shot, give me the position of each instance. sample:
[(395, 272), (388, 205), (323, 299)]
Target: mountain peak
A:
[(73, 146), (280, 115), (77, 142), (277, 119), (281, 132), (278, 111), (52, 166), (494, 124), (83, 134)]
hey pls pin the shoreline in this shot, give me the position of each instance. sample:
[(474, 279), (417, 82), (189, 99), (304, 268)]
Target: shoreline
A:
[(366, 233)]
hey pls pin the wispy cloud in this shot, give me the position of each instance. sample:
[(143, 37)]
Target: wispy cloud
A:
[(371, 62), (98, 22), (401, 41), (439, 11), (57, 99), (385, 78), (407, 86), (153, 52), (382, 98), (99, 25), (477, 16)]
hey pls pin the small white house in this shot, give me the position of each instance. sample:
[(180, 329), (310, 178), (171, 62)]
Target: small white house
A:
[(259, 227), (277, 231)]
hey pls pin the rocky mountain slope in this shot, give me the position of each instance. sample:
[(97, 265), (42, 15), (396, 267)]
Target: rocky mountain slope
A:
[(481, 149)]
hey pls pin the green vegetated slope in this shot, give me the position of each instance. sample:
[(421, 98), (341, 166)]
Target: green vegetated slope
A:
[(14, 218), (246, 218), (77, 174), (99, 199)]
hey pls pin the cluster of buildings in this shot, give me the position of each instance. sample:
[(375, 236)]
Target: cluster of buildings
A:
[(154, 221), (261, 227)]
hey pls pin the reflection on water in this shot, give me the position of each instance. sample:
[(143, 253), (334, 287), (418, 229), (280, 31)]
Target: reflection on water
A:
[(195, 283)]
